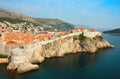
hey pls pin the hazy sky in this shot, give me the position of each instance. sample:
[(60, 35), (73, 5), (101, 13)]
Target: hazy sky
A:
[(96, 13)]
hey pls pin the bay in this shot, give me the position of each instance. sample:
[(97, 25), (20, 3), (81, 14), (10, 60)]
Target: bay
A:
[(105, 64)]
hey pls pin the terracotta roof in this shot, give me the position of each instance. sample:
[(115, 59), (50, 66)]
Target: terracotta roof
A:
[(16, 38), (79, 29)]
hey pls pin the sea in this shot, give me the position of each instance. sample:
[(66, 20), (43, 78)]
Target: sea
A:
[(105, 64)]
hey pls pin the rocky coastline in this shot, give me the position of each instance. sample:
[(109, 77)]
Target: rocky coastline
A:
[(26, 59)]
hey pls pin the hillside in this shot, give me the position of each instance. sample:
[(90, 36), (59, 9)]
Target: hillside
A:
[(53, 24), (26, 22), (12, 15), (114, 31)]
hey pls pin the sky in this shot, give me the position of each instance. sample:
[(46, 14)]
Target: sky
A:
[(101, 14)]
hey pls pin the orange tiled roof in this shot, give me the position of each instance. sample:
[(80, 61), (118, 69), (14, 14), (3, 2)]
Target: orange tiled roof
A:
[(23, 38), (63, 33), (79, 29), (16, 38), (43, 36)]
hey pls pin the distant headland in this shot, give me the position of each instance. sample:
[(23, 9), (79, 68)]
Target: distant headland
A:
[(114, 31)]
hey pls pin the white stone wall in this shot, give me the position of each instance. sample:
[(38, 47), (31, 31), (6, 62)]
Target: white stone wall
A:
[(92, 34), (8, 48), (1, 48)]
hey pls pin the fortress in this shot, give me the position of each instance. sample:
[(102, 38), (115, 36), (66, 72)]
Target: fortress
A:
[(24, 59)]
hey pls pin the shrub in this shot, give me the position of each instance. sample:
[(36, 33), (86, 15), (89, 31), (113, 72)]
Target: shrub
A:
[(3, 56), (81, 36), (98, 37)]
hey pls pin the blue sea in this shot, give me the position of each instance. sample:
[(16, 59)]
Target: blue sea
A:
[(105, 64)]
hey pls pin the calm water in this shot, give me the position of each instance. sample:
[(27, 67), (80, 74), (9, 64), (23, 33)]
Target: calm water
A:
[(103, 65)]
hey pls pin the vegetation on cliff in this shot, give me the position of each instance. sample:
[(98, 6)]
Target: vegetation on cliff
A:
[(3, 56), (79, 37), (98, 38)]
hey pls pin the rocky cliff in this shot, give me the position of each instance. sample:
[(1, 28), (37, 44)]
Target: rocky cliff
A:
[(25, 59)]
